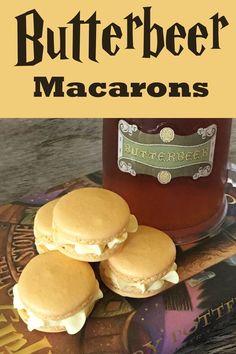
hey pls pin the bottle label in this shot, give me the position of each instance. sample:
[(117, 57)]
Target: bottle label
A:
[(166, 155)]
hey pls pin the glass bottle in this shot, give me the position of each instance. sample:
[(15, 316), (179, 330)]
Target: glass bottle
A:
[(172, 172)]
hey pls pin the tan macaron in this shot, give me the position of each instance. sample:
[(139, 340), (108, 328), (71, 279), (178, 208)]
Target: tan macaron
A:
[(56, 293), (43, 227), (144, 266), (90, 224)]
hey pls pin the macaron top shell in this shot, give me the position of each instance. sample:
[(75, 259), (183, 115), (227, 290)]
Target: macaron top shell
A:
[(54, 287), (43, 220), (147, 254), (90, 216)]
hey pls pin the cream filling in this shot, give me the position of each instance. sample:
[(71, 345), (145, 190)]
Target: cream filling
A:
[(99, 249), (72, 324), (82, 249), (172, 277), (89, 249), (132, 225), (49, 246), (117, 241)]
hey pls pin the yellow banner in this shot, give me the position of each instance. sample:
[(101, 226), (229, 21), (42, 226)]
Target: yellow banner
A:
[(118, 59)]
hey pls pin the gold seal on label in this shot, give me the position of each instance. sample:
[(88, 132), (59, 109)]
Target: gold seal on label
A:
[(164, 177), (167, 135)]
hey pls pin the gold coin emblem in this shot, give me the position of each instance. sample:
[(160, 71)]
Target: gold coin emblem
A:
[(164, 177), (167, 135)]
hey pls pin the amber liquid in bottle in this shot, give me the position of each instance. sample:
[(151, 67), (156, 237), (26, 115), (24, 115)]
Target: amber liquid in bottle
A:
[(185, 208)]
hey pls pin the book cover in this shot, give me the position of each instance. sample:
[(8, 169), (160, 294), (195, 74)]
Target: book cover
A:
[(73, 59)]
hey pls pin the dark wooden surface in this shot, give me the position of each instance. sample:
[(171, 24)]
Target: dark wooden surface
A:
[(37, 154)]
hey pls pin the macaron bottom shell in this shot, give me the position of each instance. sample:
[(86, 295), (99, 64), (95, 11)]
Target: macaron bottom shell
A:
[(52, 329), (131, 292), (24, 316), (134, 294)]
